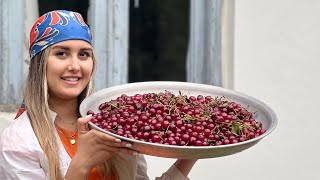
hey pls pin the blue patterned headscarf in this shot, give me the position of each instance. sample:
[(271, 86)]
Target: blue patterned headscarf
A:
[(57, 26), (54, 27)]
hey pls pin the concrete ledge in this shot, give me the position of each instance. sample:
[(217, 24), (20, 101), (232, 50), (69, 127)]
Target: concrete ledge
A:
[(9, 108), (5, 119)]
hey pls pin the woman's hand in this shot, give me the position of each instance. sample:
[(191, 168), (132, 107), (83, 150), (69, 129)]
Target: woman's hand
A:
[(94, 148)]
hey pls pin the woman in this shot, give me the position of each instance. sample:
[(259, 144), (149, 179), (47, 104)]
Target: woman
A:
[(50, 140)]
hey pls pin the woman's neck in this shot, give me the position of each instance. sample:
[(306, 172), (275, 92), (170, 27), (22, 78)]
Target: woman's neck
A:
[(67, 111)]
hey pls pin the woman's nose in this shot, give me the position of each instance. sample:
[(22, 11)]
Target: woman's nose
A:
[(73, 65)]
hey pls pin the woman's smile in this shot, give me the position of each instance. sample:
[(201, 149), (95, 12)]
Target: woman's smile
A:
[(69, 68), (71, 81)]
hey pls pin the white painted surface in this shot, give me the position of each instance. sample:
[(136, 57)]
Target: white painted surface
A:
[(227, 43), (109, 21), (203, 63), (276, 61), (11, 40), (31, 13)]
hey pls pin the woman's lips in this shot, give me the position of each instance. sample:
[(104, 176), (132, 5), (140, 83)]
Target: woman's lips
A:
[(71, 80)]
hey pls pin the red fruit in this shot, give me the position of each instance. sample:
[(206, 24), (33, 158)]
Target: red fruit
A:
[(166, 118)]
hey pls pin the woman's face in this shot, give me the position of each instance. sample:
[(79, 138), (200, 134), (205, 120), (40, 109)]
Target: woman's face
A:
[(69, 68)]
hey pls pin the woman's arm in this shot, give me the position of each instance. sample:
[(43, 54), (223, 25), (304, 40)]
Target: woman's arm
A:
[(178, 171), (185, 165)]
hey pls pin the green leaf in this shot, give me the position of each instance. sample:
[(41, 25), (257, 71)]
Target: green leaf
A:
[(114, 104), (225, 104), (206, 113), (236, 129)]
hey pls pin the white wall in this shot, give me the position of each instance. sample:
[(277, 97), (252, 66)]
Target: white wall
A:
[(277, 61)]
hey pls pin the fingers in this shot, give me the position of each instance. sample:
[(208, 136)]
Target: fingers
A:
[(129, 151), (97, 137), (104, 141), (82, 124), (105, 137), (113, 144), (108, 140), (118, 145), (115, 147), (121, 150)]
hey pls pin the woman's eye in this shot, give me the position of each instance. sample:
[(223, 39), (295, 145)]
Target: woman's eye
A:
[(85, 54), (61, 53)]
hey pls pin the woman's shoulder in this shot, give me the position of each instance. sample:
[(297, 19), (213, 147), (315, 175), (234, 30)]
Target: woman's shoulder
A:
[(20, 151)]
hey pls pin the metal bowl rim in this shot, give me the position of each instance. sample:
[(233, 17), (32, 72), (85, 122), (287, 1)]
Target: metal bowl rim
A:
[(274, 120)]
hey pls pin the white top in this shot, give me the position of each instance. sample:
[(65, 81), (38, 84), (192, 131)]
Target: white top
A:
[(22, 158)]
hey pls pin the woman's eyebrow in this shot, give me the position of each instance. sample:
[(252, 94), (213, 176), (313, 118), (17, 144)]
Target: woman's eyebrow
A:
[(86, 49), (60, 47), (67, 48)]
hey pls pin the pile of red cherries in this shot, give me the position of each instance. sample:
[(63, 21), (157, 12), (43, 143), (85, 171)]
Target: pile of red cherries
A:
[(180, 120)]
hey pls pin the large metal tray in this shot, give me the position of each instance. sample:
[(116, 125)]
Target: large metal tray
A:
[(264, 114)]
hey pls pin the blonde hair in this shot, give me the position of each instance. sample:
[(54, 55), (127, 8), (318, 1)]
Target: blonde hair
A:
[(36, 101)]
